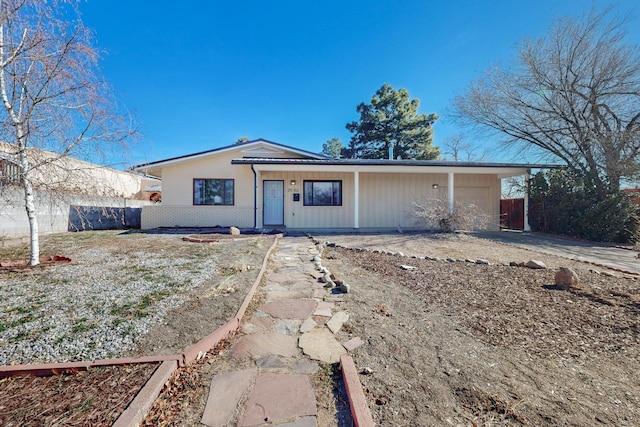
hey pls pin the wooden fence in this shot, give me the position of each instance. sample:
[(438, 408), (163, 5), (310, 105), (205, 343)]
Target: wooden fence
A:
[(512, 214)]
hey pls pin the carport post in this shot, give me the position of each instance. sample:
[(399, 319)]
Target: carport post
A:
[(527, 227), (450, 185), (356, 199)]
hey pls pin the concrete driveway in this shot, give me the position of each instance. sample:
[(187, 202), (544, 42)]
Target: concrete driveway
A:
[(600, 254)]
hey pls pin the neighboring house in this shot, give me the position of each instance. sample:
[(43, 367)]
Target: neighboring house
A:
[(66, 175), (262, 184), (69, 194)]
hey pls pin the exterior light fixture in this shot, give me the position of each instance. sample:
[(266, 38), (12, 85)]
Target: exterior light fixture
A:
[(434, 186), (293, 182)]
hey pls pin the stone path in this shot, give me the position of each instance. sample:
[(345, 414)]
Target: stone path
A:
[(282, 343)]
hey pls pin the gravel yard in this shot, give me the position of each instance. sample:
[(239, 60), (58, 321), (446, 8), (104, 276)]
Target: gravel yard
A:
[(120, 289)]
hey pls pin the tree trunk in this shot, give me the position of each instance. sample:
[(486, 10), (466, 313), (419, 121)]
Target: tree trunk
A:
[(29, 200), (34, 252)]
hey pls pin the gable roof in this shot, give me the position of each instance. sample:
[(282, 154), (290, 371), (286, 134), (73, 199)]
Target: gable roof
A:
[(255, 148)]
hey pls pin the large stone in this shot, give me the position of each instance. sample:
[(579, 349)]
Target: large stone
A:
[(290, 308), (234, 231), (304, 366), (566, 278), (320, 344), (270, 362), (224, 395), (535, 264), (259, 345), (279, 397)]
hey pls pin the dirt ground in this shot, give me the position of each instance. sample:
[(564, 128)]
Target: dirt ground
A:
[(456, 343), (448, 343)]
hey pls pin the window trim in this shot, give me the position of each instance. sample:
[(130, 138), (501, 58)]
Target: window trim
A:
[(312, 181), (193, 192)]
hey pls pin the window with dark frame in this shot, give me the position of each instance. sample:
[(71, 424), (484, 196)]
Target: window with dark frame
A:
[(9, 172), (213, 191), (322, 193)]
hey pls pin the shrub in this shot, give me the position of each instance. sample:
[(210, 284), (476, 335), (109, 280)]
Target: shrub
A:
[(435, 214), (560, 203)]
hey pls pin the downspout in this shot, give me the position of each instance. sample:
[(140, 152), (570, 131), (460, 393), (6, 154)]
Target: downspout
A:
[(255, 197)]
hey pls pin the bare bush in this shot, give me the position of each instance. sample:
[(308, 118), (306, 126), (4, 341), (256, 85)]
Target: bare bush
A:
[(435, 214)]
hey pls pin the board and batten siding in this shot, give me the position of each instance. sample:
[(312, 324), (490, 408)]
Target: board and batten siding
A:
[(177, 208), (386, 199), (483, 191), (296, 215)]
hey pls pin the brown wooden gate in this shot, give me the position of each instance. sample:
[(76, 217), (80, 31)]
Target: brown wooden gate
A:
[(512, 214)]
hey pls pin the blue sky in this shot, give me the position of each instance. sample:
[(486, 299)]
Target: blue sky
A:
[(201, 74)]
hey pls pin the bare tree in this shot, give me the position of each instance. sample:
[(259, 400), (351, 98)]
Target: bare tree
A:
[(55, 105), (455, 148), (574, 94)]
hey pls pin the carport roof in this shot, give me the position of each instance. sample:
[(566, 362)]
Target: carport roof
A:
[(503, 170), (387, 162)]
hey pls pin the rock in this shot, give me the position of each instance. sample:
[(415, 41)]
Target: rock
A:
[(483, 262), (306, 367), (320, 344), (535, 264), (353, 343), (408, 267), (566, 278), (234, 231), (335, 323), (451, 260), (307, 325), (594, 271), (332, 255), (609, 274), (399, 254), (344, 287)]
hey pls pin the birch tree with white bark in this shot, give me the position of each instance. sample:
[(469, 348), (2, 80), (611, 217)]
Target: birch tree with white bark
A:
[(55, 104)]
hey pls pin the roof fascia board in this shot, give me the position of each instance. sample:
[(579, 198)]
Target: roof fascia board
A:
[(502, 171)]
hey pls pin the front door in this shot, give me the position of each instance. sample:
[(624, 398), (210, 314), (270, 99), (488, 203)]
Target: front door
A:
[(273, 202)]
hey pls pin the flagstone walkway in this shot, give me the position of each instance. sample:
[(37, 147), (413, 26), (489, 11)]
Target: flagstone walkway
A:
[(282, 345)]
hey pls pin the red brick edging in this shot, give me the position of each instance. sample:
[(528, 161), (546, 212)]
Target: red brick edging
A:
[(141, 404), (357, 401)]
